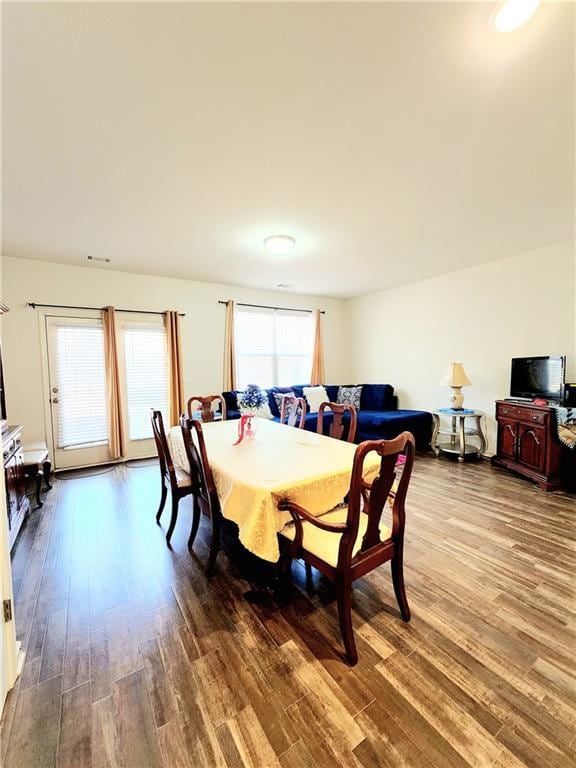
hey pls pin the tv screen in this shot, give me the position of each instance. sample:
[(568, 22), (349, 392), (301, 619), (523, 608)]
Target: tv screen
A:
[(538, 377)]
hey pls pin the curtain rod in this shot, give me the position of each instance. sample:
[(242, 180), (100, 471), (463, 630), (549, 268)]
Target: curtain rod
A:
[(265, 306), (34, 304)]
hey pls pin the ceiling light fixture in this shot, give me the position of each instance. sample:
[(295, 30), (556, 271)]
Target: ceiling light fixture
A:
[(280, 245), (514, 14)]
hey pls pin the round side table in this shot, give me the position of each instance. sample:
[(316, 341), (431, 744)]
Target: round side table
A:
[(454, 440)]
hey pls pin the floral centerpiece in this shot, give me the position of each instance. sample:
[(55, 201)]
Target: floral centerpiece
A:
[(250, 401)]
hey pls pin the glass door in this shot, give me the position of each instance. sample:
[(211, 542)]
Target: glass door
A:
[(78, 401)]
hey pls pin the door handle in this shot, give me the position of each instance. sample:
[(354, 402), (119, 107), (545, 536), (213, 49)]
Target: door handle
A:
[(54, 399)]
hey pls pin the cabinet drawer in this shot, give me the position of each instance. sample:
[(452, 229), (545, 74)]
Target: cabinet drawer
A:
[(529, 415)]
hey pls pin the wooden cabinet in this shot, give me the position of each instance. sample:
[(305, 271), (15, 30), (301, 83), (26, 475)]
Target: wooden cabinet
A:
[(528, 443), (507, 436), (17, 503)]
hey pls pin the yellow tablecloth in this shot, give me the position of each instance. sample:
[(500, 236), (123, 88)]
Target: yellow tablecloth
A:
[(280, 463)]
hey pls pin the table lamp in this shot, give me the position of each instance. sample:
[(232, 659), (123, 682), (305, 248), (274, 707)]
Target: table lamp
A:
[(456, 378)]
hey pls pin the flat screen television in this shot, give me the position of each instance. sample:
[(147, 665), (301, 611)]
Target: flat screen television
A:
[(538, 377)]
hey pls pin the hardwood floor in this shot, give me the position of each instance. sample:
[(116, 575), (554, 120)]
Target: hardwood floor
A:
[(135, 660)]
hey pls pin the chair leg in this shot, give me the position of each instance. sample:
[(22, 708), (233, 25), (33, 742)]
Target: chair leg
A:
[(344, 589), (195, 522), (47, 469), (162, 502), (38, 486), (173, 518), (214, 545), (398, 581)]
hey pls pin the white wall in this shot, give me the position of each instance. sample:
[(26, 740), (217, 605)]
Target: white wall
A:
[(482, 317), (9, 648), (202, 328)]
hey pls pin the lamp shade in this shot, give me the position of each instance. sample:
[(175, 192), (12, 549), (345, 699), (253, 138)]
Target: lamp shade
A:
[(455, 376)]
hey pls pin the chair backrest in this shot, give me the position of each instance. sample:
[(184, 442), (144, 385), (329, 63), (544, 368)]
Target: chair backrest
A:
[(206, 409), (164, 456), (337, 425), (293, 411), (369, 498), (200, 470)]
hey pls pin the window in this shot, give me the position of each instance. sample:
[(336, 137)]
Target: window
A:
[(273, 346), (80, 377), (146, 360)]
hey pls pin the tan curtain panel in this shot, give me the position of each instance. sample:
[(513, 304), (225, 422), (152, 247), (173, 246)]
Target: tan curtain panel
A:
[(116, 436), (317, 375), (175, 365), (229, 349)]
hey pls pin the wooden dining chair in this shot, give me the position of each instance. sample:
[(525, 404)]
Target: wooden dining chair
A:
[(337, 425), (293, 411), (172, 477), (352, 540), (205, 496), (206, 409)]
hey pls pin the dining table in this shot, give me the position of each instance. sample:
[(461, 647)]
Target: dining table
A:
[(280, 463)]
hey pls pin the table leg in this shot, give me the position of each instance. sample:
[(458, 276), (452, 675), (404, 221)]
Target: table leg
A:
[(462, 453), (482, 436), (38, 484), (435, 434), (47, 469)]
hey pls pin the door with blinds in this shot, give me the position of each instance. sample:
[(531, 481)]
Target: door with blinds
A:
[(78, 402)]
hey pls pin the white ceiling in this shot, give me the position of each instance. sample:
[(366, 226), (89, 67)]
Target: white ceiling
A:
[(394, 141)]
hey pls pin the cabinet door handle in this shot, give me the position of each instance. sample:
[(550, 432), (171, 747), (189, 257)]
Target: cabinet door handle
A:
[(533, 435)]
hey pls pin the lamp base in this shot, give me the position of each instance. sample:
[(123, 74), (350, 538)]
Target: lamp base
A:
[(457, 399)]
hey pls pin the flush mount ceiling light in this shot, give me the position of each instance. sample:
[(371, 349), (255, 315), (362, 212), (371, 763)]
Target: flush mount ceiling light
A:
[(280, 245), (514, 14)]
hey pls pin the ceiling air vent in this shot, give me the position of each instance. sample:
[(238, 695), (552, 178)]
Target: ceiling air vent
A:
[(96, 258)]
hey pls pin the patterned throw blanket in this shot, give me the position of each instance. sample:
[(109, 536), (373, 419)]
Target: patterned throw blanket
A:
[(566, 421)]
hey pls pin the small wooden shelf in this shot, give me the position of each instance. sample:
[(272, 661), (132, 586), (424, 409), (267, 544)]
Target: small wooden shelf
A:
[(17, 504)]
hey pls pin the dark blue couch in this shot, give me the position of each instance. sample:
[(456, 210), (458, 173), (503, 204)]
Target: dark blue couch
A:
[(378, 418)]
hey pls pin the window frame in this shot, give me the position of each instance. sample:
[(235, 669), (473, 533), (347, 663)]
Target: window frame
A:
[(138, 447), (275, 355)]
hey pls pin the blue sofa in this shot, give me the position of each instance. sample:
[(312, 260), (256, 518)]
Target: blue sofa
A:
[(378, 418)]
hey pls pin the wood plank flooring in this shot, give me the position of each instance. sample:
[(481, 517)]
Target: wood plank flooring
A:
[(135, 660)]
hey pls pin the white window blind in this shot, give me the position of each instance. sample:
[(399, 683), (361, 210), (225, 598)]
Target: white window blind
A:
[(81, 381), (273, 346), (146, 361)]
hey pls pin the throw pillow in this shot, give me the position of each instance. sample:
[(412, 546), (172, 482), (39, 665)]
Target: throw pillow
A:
[(350, 395), (278, 397), (290, 409), (315, 396)]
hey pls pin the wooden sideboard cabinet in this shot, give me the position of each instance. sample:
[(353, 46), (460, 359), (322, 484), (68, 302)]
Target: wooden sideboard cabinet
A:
[(17, 504), (528, 443)]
